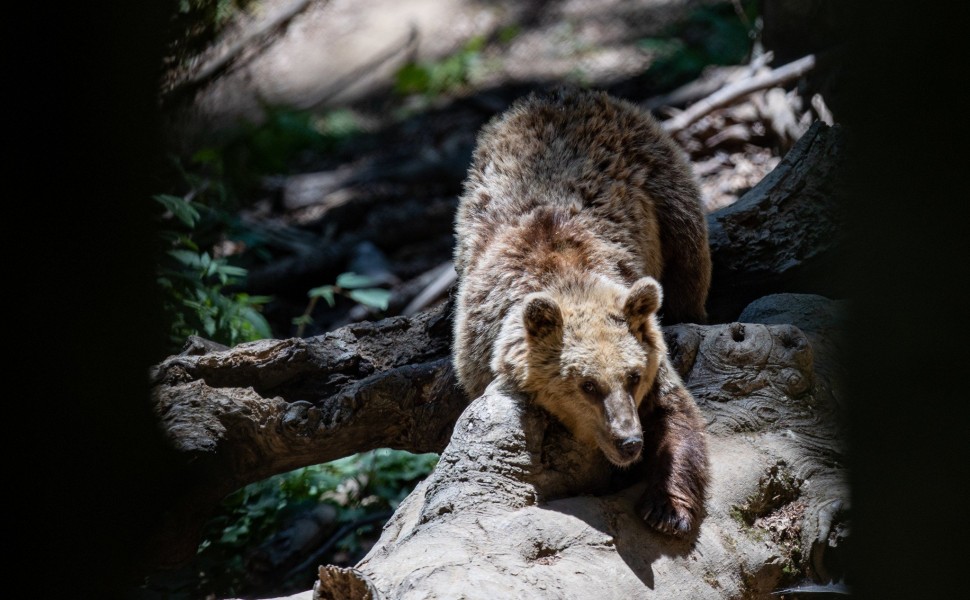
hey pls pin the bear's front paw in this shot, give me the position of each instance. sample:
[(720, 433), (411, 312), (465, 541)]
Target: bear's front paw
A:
[(666, 514)]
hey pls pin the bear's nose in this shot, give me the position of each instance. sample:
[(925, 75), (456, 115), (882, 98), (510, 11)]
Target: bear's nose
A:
[(630, 447)]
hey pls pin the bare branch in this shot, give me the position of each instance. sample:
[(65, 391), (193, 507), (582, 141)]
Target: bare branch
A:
[(738, 90)]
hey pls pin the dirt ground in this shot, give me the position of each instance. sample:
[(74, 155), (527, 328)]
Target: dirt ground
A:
[(338, 52)]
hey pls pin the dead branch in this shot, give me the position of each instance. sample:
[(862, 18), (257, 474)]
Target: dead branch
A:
[(740, 89), (444, 277), (710, 81), (267, 407)]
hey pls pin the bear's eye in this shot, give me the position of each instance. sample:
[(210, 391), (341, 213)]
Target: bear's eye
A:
[(589, 387), (633, 378)]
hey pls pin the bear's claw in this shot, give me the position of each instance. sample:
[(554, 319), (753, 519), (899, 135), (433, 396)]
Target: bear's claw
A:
[(662, 515)]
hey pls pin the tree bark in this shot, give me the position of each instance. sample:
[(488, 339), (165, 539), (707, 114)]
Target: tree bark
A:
[(271, 406), (785, 234), (508, 511)]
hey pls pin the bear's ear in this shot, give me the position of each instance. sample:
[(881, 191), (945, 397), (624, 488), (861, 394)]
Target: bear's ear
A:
[(541, 316), (642, 301)]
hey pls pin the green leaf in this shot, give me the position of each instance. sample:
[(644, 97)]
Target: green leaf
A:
[(373, 297), (258, 321), (475, 44), (184, 240), (210, 265), (325, 292), (232, 271), (508, 33), (181, 208), (412, 78), (205, 156), (350, 281), (187, 258), (303, 320), (209, 324), (337, 124)]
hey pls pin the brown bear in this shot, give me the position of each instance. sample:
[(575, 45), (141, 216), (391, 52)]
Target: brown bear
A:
[(577, 207)]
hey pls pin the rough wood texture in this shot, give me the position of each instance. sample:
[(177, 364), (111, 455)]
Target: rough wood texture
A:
[(267, 407), (507, 513), (785, 234)]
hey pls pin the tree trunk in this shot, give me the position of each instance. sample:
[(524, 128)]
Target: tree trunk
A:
[(785, 234), (509, 512)]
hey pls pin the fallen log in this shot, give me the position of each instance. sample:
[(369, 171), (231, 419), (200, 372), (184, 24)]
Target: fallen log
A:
[(785, 234), (517, 508), (776, 507), (268, 407)]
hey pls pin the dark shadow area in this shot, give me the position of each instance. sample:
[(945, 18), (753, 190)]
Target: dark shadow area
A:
[(96, 473), (613, 501), (908, 411), (636, 543)]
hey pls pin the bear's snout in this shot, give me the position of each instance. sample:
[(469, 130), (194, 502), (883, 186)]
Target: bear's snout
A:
[(629, 448)]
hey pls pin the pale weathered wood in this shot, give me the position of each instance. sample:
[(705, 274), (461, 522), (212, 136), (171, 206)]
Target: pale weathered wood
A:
[(516, 508), (509, 511), (740, 89)]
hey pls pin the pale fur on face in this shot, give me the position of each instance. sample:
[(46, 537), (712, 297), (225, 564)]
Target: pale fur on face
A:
[(588, 350)]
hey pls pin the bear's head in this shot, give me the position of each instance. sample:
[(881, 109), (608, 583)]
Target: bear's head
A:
[(588, 353)]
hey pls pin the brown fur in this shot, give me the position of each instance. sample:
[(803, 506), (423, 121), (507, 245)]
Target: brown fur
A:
[(574, 207)]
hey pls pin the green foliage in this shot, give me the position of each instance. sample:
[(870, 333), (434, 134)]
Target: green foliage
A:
[(372, 297), (434, 78), (711, 35), (276, 144), (194, 284), (197, 285), (180, 208), (508, 33), (357, 486), (270, 146), (359, 288)]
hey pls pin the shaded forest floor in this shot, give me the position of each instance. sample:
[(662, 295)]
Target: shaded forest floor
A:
[(366, 180)]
